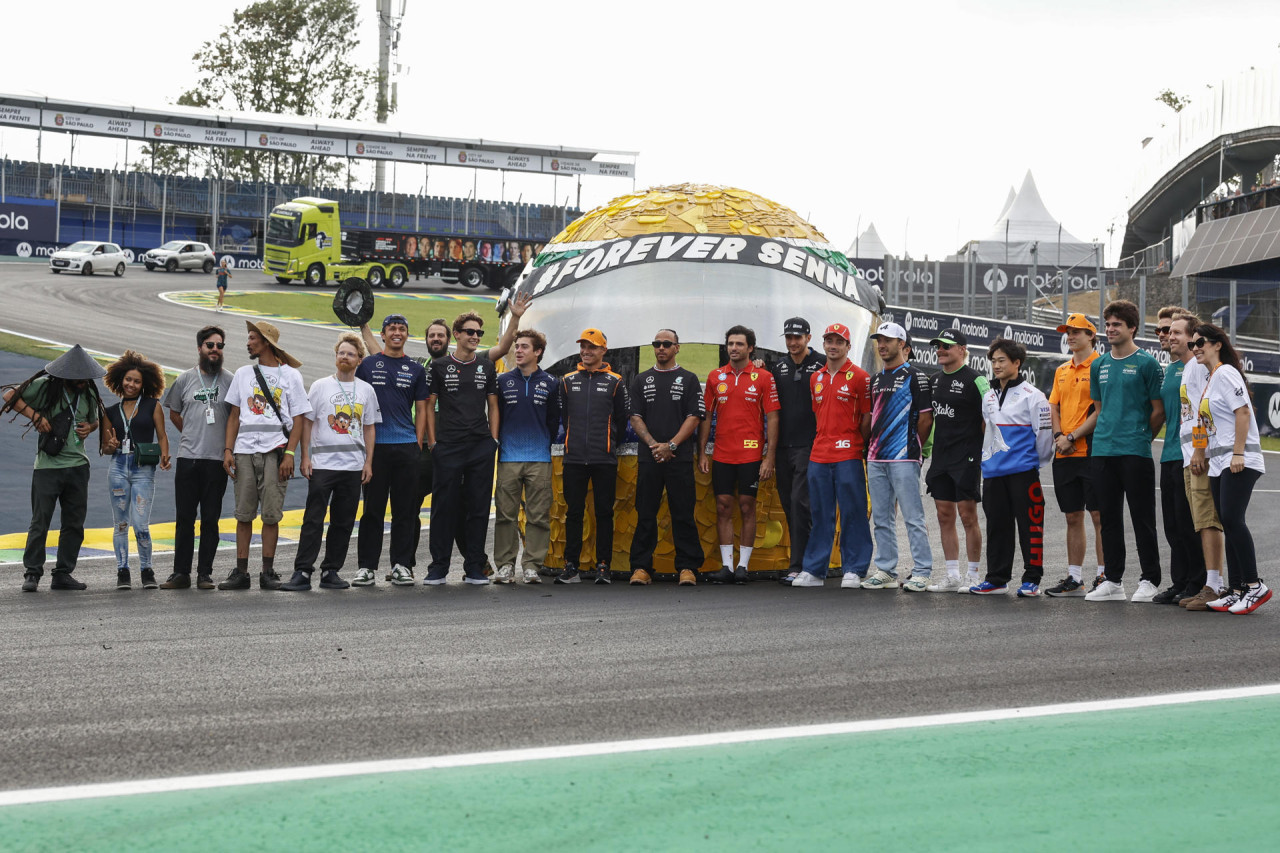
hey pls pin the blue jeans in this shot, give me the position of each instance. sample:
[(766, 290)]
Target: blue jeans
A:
[(132, 487), (898, 482), (845, 484)]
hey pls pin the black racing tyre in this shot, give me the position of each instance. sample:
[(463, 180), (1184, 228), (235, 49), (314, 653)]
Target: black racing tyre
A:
[(471, 276)]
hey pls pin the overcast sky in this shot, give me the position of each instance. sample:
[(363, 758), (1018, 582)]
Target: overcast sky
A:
[(916, 116)]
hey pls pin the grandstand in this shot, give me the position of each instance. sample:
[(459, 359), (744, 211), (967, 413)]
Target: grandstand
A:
[(143, 208)]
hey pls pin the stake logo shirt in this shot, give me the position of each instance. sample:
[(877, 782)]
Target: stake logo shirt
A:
[(898, 397), (957, 417), (739, 400), (840, 399)]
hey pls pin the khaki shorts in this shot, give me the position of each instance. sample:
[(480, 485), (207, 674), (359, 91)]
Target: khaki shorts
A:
[(258, 480), (1204, 515)]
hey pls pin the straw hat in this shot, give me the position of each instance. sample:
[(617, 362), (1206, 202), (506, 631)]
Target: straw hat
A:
[(271, 335)]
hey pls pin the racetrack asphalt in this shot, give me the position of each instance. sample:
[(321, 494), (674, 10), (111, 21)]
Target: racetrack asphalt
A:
[(105, 685)]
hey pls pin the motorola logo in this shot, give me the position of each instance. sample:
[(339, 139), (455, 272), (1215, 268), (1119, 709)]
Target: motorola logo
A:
[(24, 250), (1273, 410), (995, 280)]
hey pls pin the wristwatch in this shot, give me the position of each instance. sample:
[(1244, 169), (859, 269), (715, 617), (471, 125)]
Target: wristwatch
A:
[(672, 445)]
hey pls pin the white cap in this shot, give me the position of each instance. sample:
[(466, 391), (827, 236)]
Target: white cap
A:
[(891, 330)]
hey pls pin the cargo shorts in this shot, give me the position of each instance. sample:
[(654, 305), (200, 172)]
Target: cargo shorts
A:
[(258, 483)]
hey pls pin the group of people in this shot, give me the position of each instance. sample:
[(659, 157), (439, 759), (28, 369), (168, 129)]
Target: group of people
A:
[(846, 447)]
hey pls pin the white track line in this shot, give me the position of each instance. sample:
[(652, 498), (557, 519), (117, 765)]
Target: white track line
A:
[(97, 352), (478, 759)]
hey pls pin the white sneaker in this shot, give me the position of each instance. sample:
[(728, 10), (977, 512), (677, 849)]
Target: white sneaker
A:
[(973, 581), (1251, 598), (916, 583), (530, 575), (946, 583), (505, 574), (808, 579), (401, 575), (1107, 591), (364, 577), (851, 580), (880, 580), (1145, 592)]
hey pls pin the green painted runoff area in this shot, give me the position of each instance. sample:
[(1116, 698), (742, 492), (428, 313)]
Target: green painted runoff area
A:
[(1193, 776)]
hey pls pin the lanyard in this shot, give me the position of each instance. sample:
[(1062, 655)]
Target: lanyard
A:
[(128, 422), (350, 398), (73, 406), (208, 391)]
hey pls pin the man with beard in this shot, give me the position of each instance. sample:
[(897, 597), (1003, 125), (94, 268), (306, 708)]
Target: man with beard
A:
[(197, 404), (261, 441), (63, 404)]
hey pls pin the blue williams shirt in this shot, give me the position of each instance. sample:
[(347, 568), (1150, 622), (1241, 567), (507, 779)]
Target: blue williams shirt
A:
[(529, 408), (398, 383)]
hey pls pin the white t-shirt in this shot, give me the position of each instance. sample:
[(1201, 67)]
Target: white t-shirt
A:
[(259, 428), (1189, 393), (1226, 393), (339, 413)]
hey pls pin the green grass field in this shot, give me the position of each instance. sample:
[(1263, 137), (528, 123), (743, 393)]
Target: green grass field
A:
[(418, 309)]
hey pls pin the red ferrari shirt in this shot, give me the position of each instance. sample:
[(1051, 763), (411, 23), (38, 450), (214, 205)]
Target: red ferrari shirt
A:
[(739, 401), (840, 399)]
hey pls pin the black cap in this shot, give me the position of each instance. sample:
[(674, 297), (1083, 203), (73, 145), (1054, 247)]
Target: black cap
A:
[(796, 326), (955, 337)]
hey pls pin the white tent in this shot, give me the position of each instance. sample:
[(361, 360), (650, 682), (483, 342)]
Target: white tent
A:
[(1026, 224), (867, 245)]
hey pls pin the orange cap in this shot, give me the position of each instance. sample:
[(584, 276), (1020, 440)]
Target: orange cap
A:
[(595, 337)]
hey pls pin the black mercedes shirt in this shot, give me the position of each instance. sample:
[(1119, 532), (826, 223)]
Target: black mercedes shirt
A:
[(462, 391), (664, 399), (797, 425)]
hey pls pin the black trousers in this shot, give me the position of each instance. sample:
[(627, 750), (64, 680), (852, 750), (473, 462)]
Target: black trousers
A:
[(792, 472), (1186, 557), (460, 498), (1117, 479), (198, 488), (603, 478), (676, 478), (65, 487), (1231, 494), (395, 475), (339, 493), (1009, 502)]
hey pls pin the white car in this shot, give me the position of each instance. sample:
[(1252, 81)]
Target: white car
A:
[(88, 257), (181, 255)]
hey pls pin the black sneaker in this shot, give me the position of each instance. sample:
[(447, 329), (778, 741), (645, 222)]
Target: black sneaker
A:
[(204, 581), (149, 579), (300, 582), (1066, 588), (330, 580), (177, 580), (30, 582), (122, 579), (569, 575), (603, 573), (722, 575), (236, 580), (740, 575), (63, 580), (269, 580), (1168, 596)]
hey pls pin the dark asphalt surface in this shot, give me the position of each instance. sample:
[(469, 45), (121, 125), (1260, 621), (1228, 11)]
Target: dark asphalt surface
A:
[(105, 685)]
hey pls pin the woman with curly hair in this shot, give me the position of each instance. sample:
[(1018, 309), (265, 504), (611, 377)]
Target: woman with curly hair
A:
[(135, 421)]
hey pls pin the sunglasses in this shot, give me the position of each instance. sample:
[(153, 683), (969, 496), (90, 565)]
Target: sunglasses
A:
[(477, 333), (1164, 330), (1199, 343), (663, 344), (212, 345), (944, 347)]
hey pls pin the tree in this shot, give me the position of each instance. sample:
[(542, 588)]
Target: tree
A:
[(1173, 101), (291, 57)]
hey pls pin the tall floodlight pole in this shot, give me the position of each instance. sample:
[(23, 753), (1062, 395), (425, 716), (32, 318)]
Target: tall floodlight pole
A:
[(388, 41)]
